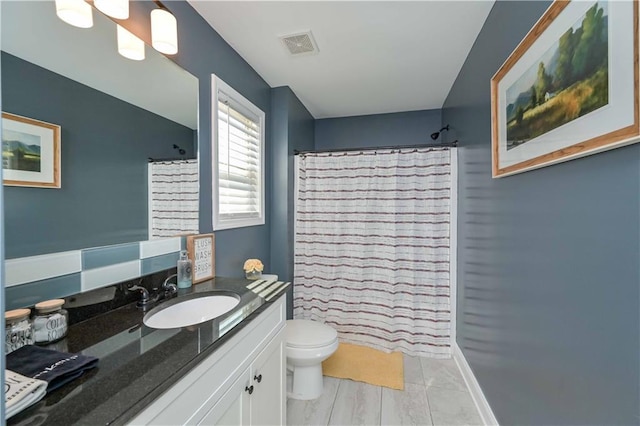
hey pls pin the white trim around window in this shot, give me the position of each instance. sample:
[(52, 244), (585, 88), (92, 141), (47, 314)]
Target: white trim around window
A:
[(238, 158)]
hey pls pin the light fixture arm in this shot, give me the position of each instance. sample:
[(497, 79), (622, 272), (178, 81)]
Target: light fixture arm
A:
[(161, 5)]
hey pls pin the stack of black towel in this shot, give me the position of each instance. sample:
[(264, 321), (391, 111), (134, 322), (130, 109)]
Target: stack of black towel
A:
[(39, 364)]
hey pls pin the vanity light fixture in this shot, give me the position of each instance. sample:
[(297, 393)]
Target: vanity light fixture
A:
[(129, 45), (75, 12), (164, 30), (118, 9)]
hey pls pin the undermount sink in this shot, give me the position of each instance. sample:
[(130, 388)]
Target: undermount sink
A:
[(191, 310)]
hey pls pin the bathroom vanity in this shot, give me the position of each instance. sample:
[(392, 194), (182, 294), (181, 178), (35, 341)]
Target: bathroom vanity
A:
[(227, 370), (195, 374), (241, 383)]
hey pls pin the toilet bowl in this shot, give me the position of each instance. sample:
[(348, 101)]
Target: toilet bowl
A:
[(308, 343)]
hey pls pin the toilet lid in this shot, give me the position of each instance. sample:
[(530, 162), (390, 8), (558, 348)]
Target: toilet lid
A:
[(306, 334)]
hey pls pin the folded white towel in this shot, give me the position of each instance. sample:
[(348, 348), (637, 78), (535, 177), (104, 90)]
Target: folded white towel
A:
[(21, 392)]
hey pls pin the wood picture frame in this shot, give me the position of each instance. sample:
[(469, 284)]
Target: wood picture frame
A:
[(30, 152), (569, 89), (201, 251)]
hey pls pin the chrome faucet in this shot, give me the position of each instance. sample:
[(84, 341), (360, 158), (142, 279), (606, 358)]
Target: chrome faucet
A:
[(145, 299), (170, 289)]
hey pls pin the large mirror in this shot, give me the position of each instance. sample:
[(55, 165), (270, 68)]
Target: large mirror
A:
[(114, 115)]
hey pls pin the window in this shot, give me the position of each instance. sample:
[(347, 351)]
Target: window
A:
[(238, 159)]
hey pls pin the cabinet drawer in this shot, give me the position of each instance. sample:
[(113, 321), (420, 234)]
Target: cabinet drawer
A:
[(191, 397)]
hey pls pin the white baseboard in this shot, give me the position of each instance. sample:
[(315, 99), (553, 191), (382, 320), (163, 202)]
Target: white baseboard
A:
[(474, 387)]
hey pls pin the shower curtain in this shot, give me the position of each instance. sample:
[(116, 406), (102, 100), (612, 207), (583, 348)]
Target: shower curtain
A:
[(372, 247), (173, 198)]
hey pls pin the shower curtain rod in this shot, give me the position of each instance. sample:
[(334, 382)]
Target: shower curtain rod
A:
[(154, 160), (374, 148)]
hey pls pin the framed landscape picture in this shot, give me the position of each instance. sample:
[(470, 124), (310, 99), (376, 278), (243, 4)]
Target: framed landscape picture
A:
[(30, 152), (569, 89)]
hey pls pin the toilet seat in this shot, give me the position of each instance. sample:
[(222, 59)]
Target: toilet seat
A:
[(306, 334)]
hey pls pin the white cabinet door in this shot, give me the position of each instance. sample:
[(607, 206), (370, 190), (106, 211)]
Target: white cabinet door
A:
[(268, 378), (233, 408), (258, 396)]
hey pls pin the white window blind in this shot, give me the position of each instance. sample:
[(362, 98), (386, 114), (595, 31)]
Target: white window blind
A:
[(239, 160)]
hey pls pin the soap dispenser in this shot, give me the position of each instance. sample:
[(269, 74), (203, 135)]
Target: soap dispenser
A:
[(184, 270)]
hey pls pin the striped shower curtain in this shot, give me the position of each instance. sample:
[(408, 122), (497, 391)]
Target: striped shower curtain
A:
[(372, 247), (173, 198)]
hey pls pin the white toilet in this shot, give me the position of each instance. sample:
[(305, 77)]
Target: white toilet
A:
[(308, 344)]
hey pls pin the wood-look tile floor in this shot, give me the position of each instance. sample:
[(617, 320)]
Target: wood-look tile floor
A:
[(434, 394)]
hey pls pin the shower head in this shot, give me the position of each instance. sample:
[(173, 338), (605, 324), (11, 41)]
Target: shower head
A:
[(435, 135), (182, 151)]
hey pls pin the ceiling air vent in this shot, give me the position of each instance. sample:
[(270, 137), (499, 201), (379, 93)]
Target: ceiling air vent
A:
[(300, 44)]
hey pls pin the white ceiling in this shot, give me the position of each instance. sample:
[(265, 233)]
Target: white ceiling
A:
[(375, 56)]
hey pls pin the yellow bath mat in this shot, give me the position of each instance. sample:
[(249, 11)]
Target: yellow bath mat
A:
[(366, 365)]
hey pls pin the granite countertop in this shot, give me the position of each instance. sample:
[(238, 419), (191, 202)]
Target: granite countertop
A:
[(137, 364)]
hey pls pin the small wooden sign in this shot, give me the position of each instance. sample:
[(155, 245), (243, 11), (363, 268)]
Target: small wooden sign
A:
[(201, 250)]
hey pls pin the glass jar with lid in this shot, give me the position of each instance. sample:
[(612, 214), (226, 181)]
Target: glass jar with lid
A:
[(50, 322), (18, 329)]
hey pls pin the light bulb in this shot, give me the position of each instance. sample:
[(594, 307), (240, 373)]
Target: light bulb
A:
[(129, 45), (164, 32), (75, 12), (118, 9)]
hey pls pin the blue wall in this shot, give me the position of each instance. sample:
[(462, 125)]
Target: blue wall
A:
[(202, 52), (548, 262), (105, 146), (292, 128), (370, 131)]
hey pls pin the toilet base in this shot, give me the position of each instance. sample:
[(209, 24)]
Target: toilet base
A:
[(307, 382)]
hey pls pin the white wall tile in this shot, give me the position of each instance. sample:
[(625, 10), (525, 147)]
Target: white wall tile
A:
[(36, 268), (100, 277), (159, 247)]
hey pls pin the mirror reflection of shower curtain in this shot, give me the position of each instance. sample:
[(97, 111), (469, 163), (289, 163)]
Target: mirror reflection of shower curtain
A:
[(372, 247), (173, 198)]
